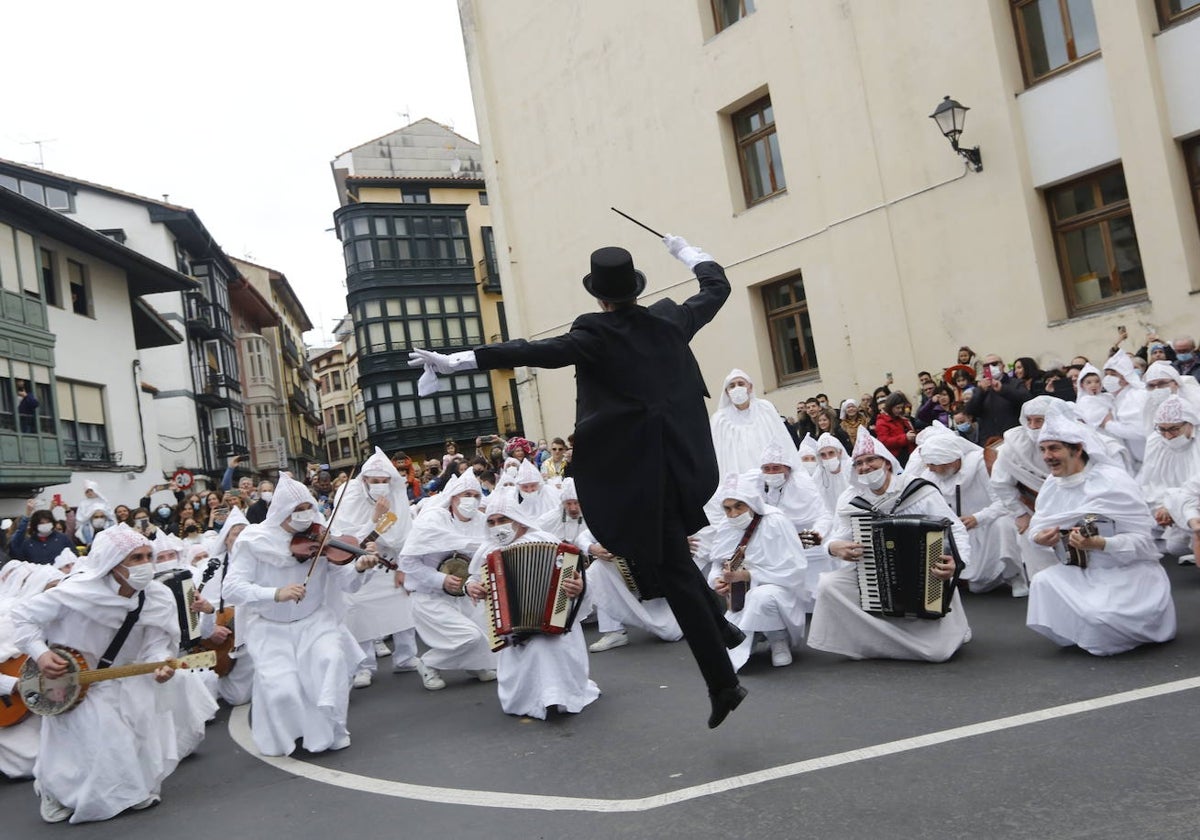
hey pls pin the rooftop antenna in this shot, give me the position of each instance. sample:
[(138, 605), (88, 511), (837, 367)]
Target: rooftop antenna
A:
[(404, 114), (41, 161)]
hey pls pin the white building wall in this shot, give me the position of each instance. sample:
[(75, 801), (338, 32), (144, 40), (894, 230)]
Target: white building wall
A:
[(904, 255)]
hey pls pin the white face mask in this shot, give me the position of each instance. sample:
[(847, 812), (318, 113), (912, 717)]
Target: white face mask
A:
[(874, 479), (1157, 396), (774, 480), (377, 491), (467, 505), (810, 466), (138, 577), (1178, 443), (502, 534), (832, 465), (301, 519), (510, 471), (98, 524), (997, 370), (739, 395), (740, 521), (1111, 384), (45, 528), (266, 496)]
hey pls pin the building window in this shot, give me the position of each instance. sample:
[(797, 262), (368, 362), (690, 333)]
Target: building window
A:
[(80, 289), (1191, 151), (409, 241), (26, 398), (258, 361), (790, 328), (1097, 245), (758, 151), (435, 321), (52, 197), (393, 405), (728, 12), (340, 411), (483, 199), (1173, 11), (1053, 33), (50, 279), (82, 423), (414, 195)]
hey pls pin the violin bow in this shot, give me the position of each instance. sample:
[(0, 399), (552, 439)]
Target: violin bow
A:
[(329, 525)]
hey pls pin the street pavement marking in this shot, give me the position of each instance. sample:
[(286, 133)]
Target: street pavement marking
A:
[(239, 730)]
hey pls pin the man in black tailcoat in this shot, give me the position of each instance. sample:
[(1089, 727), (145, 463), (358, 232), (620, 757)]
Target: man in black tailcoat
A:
[(639, 393)]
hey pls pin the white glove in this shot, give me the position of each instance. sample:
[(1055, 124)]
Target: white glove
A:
[(435, 363), (687, 254)]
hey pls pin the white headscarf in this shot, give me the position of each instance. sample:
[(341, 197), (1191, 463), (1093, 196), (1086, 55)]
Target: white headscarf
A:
[(437, 529), (846, 404), (289, 494), (356, 511), (739, 435), (941, 449), (1123, 364), (504, 502), (527, 473), (1064, 431), (85, 509), (569, 492)]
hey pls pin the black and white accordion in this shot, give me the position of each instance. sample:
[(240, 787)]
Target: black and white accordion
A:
[(1091, 525), (524, 591), (895, 574), (624, 570), (183, 588)]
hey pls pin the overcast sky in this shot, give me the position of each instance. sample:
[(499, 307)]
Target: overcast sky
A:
[(234, 109)]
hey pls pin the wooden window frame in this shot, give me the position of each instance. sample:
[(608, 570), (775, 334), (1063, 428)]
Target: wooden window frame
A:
[(795, 311), (1102, 214), (1023, 42), (719, 24), (1167, 18), (1191, 154), (744, 142)]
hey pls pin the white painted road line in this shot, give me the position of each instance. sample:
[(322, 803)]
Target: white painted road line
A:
[(239, 730)]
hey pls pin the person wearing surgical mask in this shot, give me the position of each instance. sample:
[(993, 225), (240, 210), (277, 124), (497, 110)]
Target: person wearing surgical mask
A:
[(379, 615), (445, 535), (1125, 420), (35, 539), (1186, 361), (839, 623), (1172, 462), (257, 512), (996, 403), (546, 671), (84, 611), (772, 569), (792, 492), (743, 425), (294, 606)]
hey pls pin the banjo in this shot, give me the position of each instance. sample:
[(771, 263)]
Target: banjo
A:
[(48, 696)]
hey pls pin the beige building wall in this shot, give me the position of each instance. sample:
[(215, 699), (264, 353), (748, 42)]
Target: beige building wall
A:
[(904, 254)]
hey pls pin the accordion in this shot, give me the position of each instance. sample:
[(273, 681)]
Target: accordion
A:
[(895, 574), (1091, 525), (524, 591), (624, 570), (183, 588)]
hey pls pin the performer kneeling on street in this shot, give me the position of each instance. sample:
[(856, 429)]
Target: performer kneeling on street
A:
[(544, 671)]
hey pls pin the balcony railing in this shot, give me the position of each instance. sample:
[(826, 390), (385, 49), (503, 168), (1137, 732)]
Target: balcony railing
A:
[(90, 452), (488, 273)]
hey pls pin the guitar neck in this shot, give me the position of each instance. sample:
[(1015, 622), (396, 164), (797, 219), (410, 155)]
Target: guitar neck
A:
[(101, 674)]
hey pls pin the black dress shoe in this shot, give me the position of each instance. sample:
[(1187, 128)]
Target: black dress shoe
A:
[(724, 702), (732, 635)]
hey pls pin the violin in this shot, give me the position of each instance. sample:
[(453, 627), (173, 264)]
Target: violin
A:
[(339, 550)]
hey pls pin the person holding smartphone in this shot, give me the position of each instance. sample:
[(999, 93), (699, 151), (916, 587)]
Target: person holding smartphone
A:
[(996, 403)]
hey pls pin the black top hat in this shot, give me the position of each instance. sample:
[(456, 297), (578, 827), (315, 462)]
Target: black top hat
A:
[(613, 276)]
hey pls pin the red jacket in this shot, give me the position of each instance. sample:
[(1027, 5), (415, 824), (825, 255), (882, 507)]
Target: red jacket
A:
[(893, 432)]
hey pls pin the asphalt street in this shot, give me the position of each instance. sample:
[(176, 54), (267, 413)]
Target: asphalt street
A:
[(1127, 767)]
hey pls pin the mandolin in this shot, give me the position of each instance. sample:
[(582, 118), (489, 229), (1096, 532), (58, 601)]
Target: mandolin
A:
[(48, 696)]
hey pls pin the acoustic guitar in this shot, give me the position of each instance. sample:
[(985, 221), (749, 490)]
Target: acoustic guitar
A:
[(47, 696), (12, 707)]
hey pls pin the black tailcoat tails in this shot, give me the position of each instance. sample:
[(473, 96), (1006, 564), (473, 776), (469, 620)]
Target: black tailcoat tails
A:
[(643, 460)]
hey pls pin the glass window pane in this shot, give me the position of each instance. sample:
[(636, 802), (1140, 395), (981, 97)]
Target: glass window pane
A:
[(425, 406), (787, 345), (460, 250), (1083, 26), (408, 410), (450, 304), (378, 339), (404, 387), (1087, 265), (1126, 254), (1073, 200), (416, 332), (457, 228), (412, 306), (484, 401), (454, 329), (34, 191), (438, 226), (360, 226), (469, 304), (474, 330), (434, 328), (1045, 38), (371, 309), (57, 199), (387, 250), (386, 412), (362, 253), (401, 226), (420, 226), (446, 406), (433, 305), (381, 226), (1112, 187), (465, 405)]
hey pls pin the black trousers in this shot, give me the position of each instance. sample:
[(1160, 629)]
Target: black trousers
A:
[(699, 611)]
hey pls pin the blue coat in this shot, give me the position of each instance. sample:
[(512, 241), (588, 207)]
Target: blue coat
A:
[(35, 549)]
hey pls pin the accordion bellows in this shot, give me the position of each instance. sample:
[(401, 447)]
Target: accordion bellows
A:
[(524, 591)]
